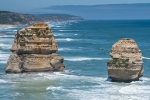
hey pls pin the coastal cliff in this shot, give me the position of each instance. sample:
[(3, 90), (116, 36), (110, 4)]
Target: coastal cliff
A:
[(7, 17), (126, 64), (34, 50)]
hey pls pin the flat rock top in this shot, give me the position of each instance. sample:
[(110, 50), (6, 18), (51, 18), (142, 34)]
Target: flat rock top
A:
[(126, 48), (126, 41), (39, 25)]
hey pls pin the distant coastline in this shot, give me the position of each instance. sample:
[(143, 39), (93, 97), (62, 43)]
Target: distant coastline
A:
[(12, 18)]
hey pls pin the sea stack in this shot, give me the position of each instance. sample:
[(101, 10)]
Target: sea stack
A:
[(34, 50), (126, 64)]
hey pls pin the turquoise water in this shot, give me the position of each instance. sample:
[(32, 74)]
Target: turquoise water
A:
[(85, 46)]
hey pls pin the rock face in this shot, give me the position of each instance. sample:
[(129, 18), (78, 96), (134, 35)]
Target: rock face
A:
[(34, 50), (126, 63)]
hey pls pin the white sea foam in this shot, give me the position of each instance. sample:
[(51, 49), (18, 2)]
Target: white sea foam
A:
[(75, 34), (54, 88), (17, 94), (11, 32), (3, 81), (6, 40), (4, 58), (64, 49), (4, 55), (145, 79), (6, 27), (5, 46), (58, 26), (3, 62), (69, 49), (101, 93), (100, 90), (83, 58), (94, 92), (89, 88), (145, 58), (67, 30), (7, 36), (63, 76), (64, 39), (69, 39), (14, 30), (135, 89), (58, 34), (61, 30)]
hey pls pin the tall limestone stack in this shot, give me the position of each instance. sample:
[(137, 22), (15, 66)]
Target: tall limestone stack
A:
[(34, 50), (126, 63)]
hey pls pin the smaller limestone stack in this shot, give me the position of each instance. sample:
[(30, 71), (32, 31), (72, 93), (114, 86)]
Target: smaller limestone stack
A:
[(34, 50), (126, 63)]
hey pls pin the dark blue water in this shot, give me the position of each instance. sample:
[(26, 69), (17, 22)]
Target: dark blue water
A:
[(85, 46)]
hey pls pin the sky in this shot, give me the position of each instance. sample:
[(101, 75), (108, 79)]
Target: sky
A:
[(28, 5), (103, 12), (87, 9)]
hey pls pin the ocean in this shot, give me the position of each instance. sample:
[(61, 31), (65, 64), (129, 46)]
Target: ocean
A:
[(85, 46)]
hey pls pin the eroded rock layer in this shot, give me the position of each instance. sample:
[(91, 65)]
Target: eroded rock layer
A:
[(126, 64), (34, 50)]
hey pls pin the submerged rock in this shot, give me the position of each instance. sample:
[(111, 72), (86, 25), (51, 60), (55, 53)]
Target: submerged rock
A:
[(126, 64), (34, 50)]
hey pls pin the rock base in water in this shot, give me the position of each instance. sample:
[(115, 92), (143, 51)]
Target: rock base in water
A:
[(34, 63)]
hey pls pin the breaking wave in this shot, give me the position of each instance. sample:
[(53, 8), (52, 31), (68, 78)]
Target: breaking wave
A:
[(83, 58), (145, 58), (64, 39), (7, 36), (5, 46), (3, 81), (67, 30), (64, 49)]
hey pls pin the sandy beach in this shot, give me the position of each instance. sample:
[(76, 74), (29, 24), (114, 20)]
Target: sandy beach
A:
[(5, 25)]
